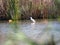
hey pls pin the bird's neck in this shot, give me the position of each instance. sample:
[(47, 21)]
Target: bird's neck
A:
[(31, 17)]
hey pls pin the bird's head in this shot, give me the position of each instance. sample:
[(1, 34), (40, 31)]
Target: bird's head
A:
[(30, 17)]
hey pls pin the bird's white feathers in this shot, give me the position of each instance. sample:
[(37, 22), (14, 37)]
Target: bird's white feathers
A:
[(32, 20)]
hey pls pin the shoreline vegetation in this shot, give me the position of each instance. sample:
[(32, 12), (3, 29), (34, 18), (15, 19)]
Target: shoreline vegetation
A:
[(10, 9)]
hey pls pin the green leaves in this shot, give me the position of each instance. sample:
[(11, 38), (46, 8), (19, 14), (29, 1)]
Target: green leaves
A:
[(13, 9)]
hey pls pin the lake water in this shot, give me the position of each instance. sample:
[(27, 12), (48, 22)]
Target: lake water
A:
[(41, 31)]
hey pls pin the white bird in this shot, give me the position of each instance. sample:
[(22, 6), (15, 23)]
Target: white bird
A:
[(32, 20)]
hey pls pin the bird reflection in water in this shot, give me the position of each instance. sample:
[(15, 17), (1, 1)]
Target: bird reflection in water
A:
[(33, 23)]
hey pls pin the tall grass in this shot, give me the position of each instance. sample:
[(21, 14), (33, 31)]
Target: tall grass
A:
[(14, 9)]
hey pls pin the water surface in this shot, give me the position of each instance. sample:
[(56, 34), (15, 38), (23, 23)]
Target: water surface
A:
[(41, 31)]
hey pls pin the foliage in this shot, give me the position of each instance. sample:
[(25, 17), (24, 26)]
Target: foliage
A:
[(13, 9), (26, 8), (57, 3)]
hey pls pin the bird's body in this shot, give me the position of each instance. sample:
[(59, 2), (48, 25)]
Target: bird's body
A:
[(32, 20)]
